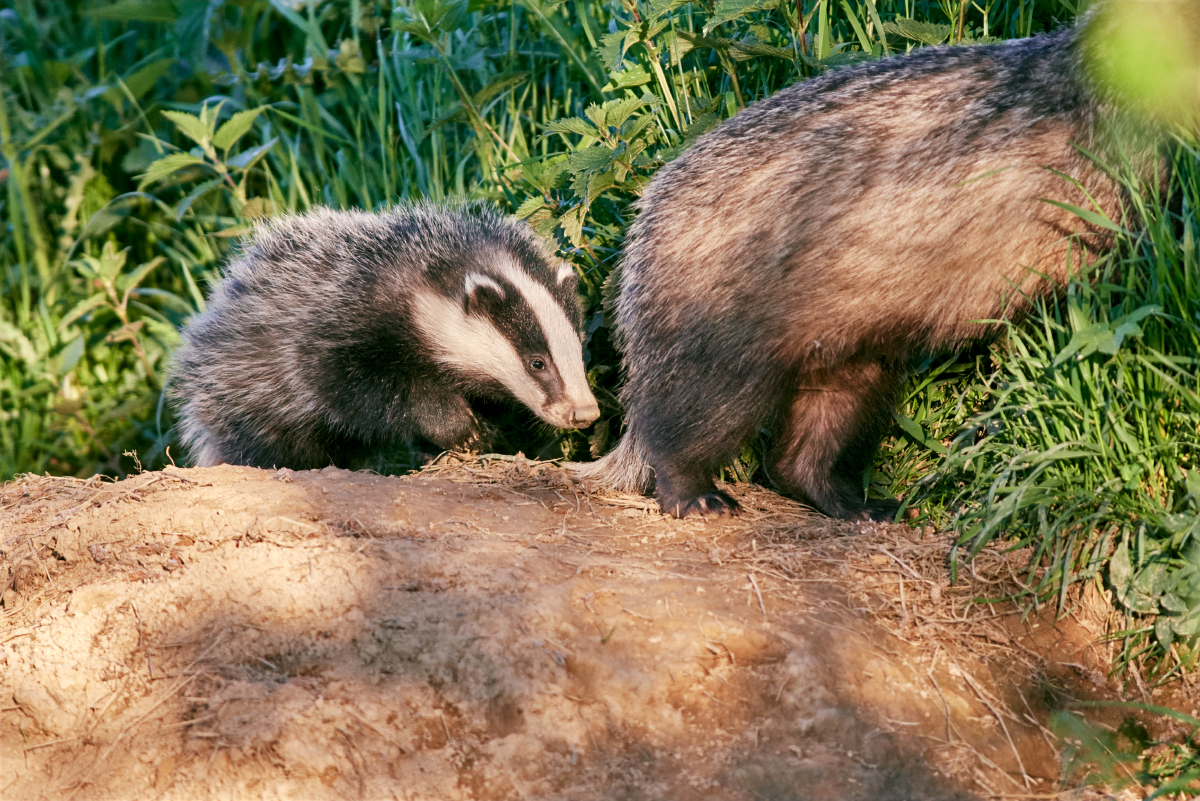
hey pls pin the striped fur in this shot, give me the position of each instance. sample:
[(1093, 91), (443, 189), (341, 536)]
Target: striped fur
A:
[(337, 333)]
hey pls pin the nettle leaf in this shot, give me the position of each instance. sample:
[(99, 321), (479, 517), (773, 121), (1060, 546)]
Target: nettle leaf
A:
[(448, 15), (597, 115), (598, 184), (596, 157), (616, 45), (81, 308), (726, 10), (167, 165), (236, 127), (923, 32), (698, 41), (417, 27), (617, 111), (660, 8), (744, 51), (530, 205), (611, 49), (545, 176), (639, 126), (573, 125), (243, 160), (191, 126), (112, 261), (701, 124), (572, 225), (127, 282), (628, 77)]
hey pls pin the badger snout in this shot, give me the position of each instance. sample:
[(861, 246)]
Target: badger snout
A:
[(583, 416), (566, 414)]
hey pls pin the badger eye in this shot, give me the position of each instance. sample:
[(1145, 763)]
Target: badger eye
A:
[(537, 364)]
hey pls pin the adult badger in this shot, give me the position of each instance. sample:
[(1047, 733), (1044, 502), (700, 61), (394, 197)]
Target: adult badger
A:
[(794, 262), (337, 332)]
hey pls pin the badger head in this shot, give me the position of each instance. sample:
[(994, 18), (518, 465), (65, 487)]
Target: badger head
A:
[(509, 326)]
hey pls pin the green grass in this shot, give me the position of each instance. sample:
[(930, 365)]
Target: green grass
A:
[(1088, 445), (139, 137)]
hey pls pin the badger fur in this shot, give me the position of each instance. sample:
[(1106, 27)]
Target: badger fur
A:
[(793, 263), (335, 333)]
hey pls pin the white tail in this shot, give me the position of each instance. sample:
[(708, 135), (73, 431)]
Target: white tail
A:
[(623, 469)]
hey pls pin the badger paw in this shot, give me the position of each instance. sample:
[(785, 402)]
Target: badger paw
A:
[(879, 511), (710, 504)]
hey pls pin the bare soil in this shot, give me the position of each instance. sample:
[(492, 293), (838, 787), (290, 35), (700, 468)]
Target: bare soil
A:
[(487, 630)]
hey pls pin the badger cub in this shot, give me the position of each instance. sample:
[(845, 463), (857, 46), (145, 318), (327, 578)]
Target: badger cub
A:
[(794, 262), (335, 333)]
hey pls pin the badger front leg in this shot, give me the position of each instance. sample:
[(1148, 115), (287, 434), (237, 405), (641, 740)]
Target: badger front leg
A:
[(447, 420), (684, 490), (685, 453), (692, 424), (833, 427)]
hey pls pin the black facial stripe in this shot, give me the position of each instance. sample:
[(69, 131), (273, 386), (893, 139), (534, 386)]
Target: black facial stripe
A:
[(513, 317)]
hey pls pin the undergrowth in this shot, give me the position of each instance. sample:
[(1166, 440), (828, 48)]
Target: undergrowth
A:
[(140, 137)]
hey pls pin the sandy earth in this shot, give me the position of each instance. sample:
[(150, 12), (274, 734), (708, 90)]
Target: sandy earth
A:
[(486, 631)]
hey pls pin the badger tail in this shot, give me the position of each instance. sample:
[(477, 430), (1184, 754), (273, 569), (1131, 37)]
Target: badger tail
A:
[(623, 469)]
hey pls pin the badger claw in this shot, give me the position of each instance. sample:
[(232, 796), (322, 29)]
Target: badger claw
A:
[(710, 504), (879, 511)]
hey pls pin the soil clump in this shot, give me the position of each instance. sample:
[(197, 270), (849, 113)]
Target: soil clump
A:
[(488, 630)]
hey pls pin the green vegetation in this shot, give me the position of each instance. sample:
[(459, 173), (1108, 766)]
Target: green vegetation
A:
[(139, 137)]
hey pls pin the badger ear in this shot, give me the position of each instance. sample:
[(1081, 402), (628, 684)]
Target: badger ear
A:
[(478, 290), (565, 273)]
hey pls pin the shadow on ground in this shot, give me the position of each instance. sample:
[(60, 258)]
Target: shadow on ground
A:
[(483, 634)]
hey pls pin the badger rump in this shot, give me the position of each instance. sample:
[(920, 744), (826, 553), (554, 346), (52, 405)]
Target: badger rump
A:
[(336, 334), (792, 264)]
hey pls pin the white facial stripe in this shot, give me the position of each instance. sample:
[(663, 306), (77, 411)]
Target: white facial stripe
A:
[(560, 334), (476, 280), (564, 272), (474, 346)]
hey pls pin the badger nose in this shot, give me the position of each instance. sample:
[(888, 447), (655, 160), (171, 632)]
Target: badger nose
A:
[(584, 415)]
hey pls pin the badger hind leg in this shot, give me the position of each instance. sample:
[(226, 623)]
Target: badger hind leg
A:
[(682, 490), (832, 429), (623, 469)]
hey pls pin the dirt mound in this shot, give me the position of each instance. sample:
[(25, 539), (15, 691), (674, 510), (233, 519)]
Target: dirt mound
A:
[(485, 631)]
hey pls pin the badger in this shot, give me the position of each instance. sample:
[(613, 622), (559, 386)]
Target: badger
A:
[(790, 267), (336, 333)]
